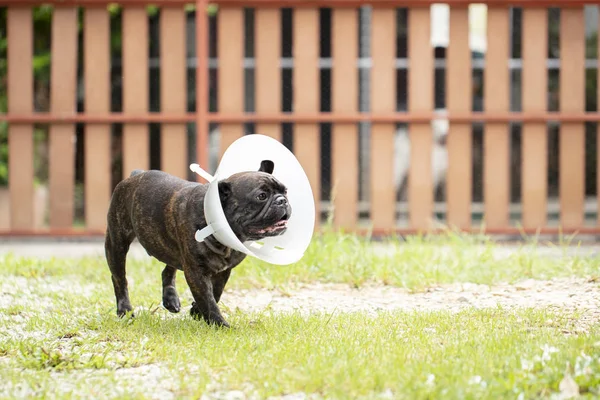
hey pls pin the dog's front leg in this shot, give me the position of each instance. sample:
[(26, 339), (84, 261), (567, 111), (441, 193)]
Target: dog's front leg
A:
[(219, 281), (204, 304)]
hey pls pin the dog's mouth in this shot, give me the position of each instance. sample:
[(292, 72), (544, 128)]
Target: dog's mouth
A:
[(276, 229)]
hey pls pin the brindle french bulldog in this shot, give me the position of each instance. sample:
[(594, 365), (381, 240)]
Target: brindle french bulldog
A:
[(164, 212)]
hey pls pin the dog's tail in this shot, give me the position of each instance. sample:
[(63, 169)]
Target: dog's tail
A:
[(136, 172)]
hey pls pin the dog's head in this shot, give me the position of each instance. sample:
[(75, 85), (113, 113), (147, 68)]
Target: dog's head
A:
[(255, 203)]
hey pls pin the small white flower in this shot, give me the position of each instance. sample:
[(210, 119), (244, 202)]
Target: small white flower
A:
[(143, 341), (547, 352), (430, 380), (526, 365), (475, 380), (582, 365)]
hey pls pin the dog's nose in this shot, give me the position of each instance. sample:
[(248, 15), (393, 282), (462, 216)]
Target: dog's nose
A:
[(280, 200)]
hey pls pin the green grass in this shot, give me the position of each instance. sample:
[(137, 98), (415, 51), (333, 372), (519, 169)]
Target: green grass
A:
[(60, 338), (474, 354), (414, 264)]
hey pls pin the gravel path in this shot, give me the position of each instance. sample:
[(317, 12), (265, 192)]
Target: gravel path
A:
[(568, 295)]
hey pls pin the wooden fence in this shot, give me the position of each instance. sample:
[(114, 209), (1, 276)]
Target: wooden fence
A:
[(306, 115)]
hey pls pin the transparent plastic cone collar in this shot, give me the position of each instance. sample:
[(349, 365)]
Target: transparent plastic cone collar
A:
[(246, 154)]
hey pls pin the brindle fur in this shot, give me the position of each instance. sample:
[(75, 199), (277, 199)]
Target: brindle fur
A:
[(163, 212)]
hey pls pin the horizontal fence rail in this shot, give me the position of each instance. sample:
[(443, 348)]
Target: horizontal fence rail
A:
[(299, 118), (355, 141), (304, 3)]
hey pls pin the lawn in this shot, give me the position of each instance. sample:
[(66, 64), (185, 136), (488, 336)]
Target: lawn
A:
[(60, 337)]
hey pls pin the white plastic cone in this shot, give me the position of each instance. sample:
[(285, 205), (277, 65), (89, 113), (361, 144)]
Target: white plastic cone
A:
[(246, 154)]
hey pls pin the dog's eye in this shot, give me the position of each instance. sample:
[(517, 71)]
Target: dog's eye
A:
[(262, 196)]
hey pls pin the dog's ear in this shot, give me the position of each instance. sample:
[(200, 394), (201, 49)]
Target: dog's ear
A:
[(224, 190), (267, 166)]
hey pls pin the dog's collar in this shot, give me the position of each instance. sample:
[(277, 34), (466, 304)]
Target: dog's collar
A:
[(203, 236), (217, 247)]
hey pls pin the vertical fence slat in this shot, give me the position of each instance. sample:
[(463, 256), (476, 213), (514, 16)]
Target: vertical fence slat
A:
[(420, 99), (306, 96), (231, 71), (535, 137), (97, 100), (202, 85), (173, 138), (136, 142), (496, 139), (458, 84), (268, 73), (20, 100), (572, 99), (62, 99), (382, 135), (345, 99)]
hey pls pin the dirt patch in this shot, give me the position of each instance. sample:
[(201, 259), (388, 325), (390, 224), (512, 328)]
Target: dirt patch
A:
[(566, 294)]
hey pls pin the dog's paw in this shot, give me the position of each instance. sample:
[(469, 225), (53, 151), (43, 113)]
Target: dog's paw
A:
[(212, 320), (124, 309), (171, 300), (195, 312), (222, 324)]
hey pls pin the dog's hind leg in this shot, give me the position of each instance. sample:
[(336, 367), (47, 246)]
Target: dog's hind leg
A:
[(116, 254), (170, 296)]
